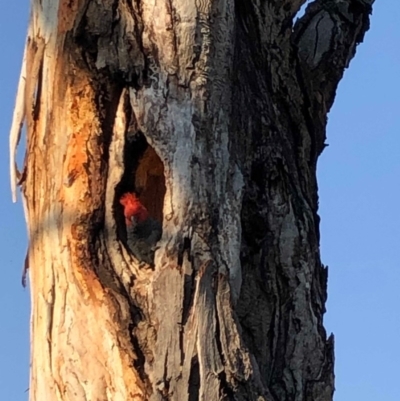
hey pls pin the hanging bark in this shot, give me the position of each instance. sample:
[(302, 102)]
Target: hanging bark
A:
[(214, 112)]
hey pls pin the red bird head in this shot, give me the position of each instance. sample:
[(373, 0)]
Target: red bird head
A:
[(133, 208)]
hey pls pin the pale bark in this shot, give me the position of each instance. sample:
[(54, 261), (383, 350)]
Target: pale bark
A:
[(232, 100)]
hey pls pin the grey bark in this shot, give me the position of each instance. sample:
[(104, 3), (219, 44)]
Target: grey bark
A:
[(233, 99)]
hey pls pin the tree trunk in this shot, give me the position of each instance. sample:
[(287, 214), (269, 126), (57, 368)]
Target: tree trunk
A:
[(214, 112)]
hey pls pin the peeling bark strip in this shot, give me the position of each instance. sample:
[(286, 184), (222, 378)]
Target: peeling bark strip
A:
[(213, 113)]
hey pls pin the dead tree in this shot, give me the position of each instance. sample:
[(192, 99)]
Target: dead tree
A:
[(214, 112)]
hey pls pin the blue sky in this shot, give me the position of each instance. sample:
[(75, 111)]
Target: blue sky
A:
[(359, 205)]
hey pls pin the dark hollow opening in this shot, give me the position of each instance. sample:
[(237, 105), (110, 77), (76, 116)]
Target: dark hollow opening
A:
[(143, 175)]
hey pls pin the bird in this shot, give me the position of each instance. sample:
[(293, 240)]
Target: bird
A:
[(142, 231)]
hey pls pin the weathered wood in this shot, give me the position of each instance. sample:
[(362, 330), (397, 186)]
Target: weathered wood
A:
[(216, 112)]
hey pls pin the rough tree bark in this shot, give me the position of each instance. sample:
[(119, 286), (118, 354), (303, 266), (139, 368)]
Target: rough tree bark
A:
[(215, 112)]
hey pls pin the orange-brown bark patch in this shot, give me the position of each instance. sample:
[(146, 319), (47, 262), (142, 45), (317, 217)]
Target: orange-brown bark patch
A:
[(67, 12)]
